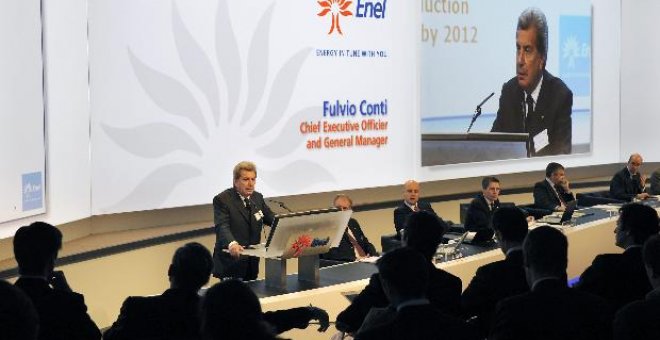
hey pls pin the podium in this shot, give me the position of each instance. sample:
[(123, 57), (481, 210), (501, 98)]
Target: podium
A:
[(454, 148), (302, 235)]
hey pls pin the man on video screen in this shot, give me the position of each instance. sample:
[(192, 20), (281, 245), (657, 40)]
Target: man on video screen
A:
[(535, 101)]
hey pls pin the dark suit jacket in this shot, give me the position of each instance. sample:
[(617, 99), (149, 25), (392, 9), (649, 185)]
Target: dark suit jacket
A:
[(545, 198), (233, 222), (420, 322), (553, 112), (402, 211), (639, 320), (478, 218), (444, 292), (618, 278), (552, 311), (345, 251), (174, 315), (623, 187), (655, 182), (492, 283), (62, 315)]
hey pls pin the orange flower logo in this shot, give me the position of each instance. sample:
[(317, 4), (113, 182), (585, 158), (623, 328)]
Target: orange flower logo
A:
[(336, 8)]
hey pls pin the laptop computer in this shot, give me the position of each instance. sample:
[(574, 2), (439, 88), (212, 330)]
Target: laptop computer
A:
[(566, 216)]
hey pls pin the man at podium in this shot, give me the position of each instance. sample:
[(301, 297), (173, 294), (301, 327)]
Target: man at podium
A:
[(535, 101), (239, 214)]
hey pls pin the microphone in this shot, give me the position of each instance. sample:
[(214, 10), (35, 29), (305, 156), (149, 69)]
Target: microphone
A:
[(281, 204), (477, 112)]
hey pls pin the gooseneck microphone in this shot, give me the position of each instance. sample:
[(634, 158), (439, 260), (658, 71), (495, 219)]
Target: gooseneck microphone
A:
[(281, 204), (477, 112)]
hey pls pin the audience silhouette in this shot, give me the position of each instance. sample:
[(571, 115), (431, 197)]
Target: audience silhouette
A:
[(640, 320), (550, 310), (621, 278), (62, 312), (498, 280), (423, 233)]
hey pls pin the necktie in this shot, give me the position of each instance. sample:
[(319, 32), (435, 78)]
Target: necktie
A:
[(526, 120), (557, 191), (492, 206), (247, 204), (415, 208), (356, 245), (530, 110)]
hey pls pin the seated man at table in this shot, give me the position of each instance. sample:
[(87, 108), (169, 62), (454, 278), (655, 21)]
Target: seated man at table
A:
[(554, 192), (354, 244), (404, 276), (629, 183), (640, 320), (480, 211), (411, 203), (424, 231), (621, 278), (501, 279), (551, 310)]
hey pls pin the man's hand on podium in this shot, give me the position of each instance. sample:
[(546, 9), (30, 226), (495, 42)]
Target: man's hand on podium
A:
[(235, 249)]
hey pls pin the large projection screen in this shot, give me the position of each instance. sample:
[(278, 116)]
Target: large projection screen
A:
[(321, 98), (469, 51), (22, 176)]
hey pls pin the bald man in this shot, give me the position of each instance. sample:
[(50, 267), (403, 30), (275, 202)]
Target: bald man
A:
[(411, 203), (628, 183)]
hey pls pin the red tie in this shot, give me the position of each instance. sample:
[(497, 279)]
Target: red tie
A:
[(356, 245)]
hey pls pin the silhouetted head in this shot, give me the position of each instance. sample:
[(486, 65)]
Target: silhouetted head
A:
[(36, 247), (191, 267), (423, 232), (404, 274), (545, 252), (637, 222), (510, 224), (230, 310)]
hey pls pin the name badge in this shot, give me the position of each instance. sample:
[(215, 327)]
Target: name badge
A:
[(258, 215), (541, 140)]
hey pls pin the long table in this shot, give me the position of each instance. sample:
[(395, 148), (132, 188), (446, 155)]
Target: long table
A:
[(593, 235)]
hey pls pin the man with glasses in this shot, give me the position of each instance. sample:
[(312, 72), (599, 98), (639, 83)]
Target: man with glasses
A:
[(354, 244)]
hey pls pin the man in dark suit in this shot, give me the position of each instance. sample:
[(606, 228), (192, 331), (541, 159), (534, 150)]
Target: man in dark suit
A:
[(481, 209), (621, 278), (239, 214), (62, 313), (424, 232), (554, 192), (629, 182), (18, 318), (550, 310), (411, 203), (501, 279), (655, 182), (640, 320), (354, 244), (175, 313), (404, 277), (535, 101)]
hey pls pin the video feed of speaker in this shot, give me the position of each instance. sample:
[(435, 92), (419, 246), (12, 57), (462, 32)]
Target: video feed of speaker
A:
[(504, 82)]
